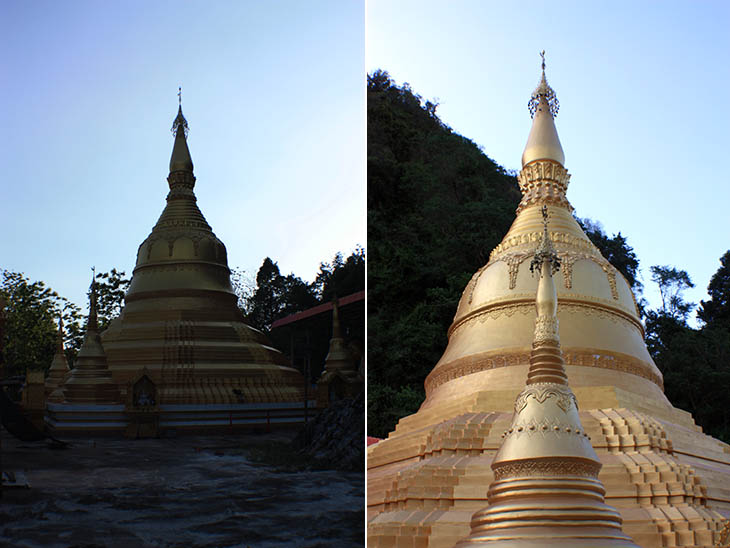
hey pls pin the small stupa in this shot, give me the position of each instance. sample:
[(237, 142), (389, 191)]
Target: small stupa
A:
[(90, 381), (546, 490), (59, 370), (340, 378), (668, 480)]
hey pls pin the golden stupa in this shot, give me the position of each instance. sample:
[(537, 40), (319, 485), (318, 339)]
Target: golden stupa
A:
[(669, 482), (339, 379), (180, 323), (90, 382), (59, 370)]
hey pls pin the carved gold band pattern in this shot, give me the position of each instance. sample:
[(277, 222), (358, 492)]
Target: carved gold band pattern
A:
[(582, 357)]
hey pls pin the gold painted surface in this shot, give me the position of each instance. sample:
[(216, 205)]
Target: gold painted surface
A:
[(90, 381), (546, 490), (181, 322), (669, 481), (59, 370), (339, 379)]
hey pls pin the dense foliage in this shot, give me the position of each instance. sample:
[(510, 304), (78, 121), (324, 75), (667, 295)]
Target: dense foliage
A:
[(616, 251), (32, 311), (276, 296), (437, 205), (695, 362)]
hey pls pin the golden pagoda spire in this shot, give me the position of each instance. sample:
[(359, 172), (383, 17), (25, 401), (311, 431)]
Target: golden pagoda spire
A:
[(338, 357), (59, 337), (543, 179), (90, 381), (543, 142), (92, 323), (546, 490), (59, 369), (336, 329), (180, 159)]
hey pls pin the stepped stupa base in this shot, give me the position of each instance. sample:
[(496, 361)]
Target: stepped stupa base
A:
[(668, 481), (64, 418)]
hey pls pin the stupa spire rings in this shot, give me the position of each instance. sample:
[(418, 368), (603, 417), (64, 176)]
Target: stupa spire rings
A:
[(543, 92)]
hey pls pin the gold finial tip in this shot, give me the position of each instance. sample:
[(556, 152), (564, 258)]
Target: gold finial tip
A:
[(543, 91)]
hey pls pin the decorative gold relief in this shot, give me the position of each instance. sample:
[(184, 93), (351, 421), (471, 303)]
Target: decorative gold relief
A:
[(541, 392), (532, 238), (546, 329), (600, 359), (543, 182), (572, 303), (546, 467)]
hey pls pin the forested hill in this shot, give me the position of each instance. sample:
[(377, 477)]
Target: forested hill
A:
[(437, 206)]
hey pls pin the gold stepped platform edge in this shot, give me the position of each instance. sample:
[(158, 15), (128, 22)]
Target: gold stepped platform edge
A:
[(666, 497)]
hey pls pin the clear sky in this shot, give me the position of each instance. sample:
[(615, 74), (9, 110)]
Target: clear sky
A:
[(643, 89), (274, 93)]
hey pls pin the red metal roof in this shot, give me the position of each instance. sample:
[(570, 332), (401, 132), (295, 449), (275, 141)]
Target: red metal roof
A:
[(319, 309)]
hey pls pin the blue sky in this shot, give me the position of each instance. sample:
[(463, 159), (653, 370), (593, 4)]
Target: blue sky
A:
[(643, 92), (274, 93)]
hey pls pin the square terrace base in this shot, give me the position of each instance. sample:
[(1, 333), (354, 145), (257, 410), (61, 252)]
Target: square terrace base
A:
[(119, 419)]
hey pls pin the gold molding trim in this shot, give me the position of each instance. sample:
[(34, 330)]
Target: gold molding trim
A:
[(525, 304), (533, 238), (585, 357), (546, 467), (543, 182)]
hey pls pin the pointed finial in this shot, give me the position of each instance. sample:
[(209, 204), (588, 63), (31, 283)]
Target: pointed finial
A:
[(92, 321), (180, 121), (336, 330), (543, 91)]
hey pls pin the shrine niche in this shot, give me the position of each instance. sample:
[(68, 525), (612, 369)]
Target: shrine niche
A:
[(144, 393), (143, 409)]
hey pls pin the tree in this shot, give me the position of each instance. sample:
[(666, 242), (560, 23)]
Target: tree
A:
[(694, 362), (32, 312), (243, 286), (672, 283), (437, 206), (277, 296), (716, 311), (341, 277), (111, 287), (616, 251)]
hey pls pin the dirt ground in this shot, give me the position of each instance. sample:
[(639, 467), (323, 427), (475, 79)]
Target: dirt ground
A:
[(189, 491)]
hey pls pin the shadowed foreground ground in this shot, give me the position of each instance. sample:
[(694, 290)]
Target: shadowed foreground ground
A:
[(235, 490)]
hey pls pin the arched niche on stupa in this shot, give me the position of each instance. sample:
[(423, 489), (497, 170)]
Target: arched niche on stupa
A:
[(211, 250), (590, 278), (157, 250), (182, 249)]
